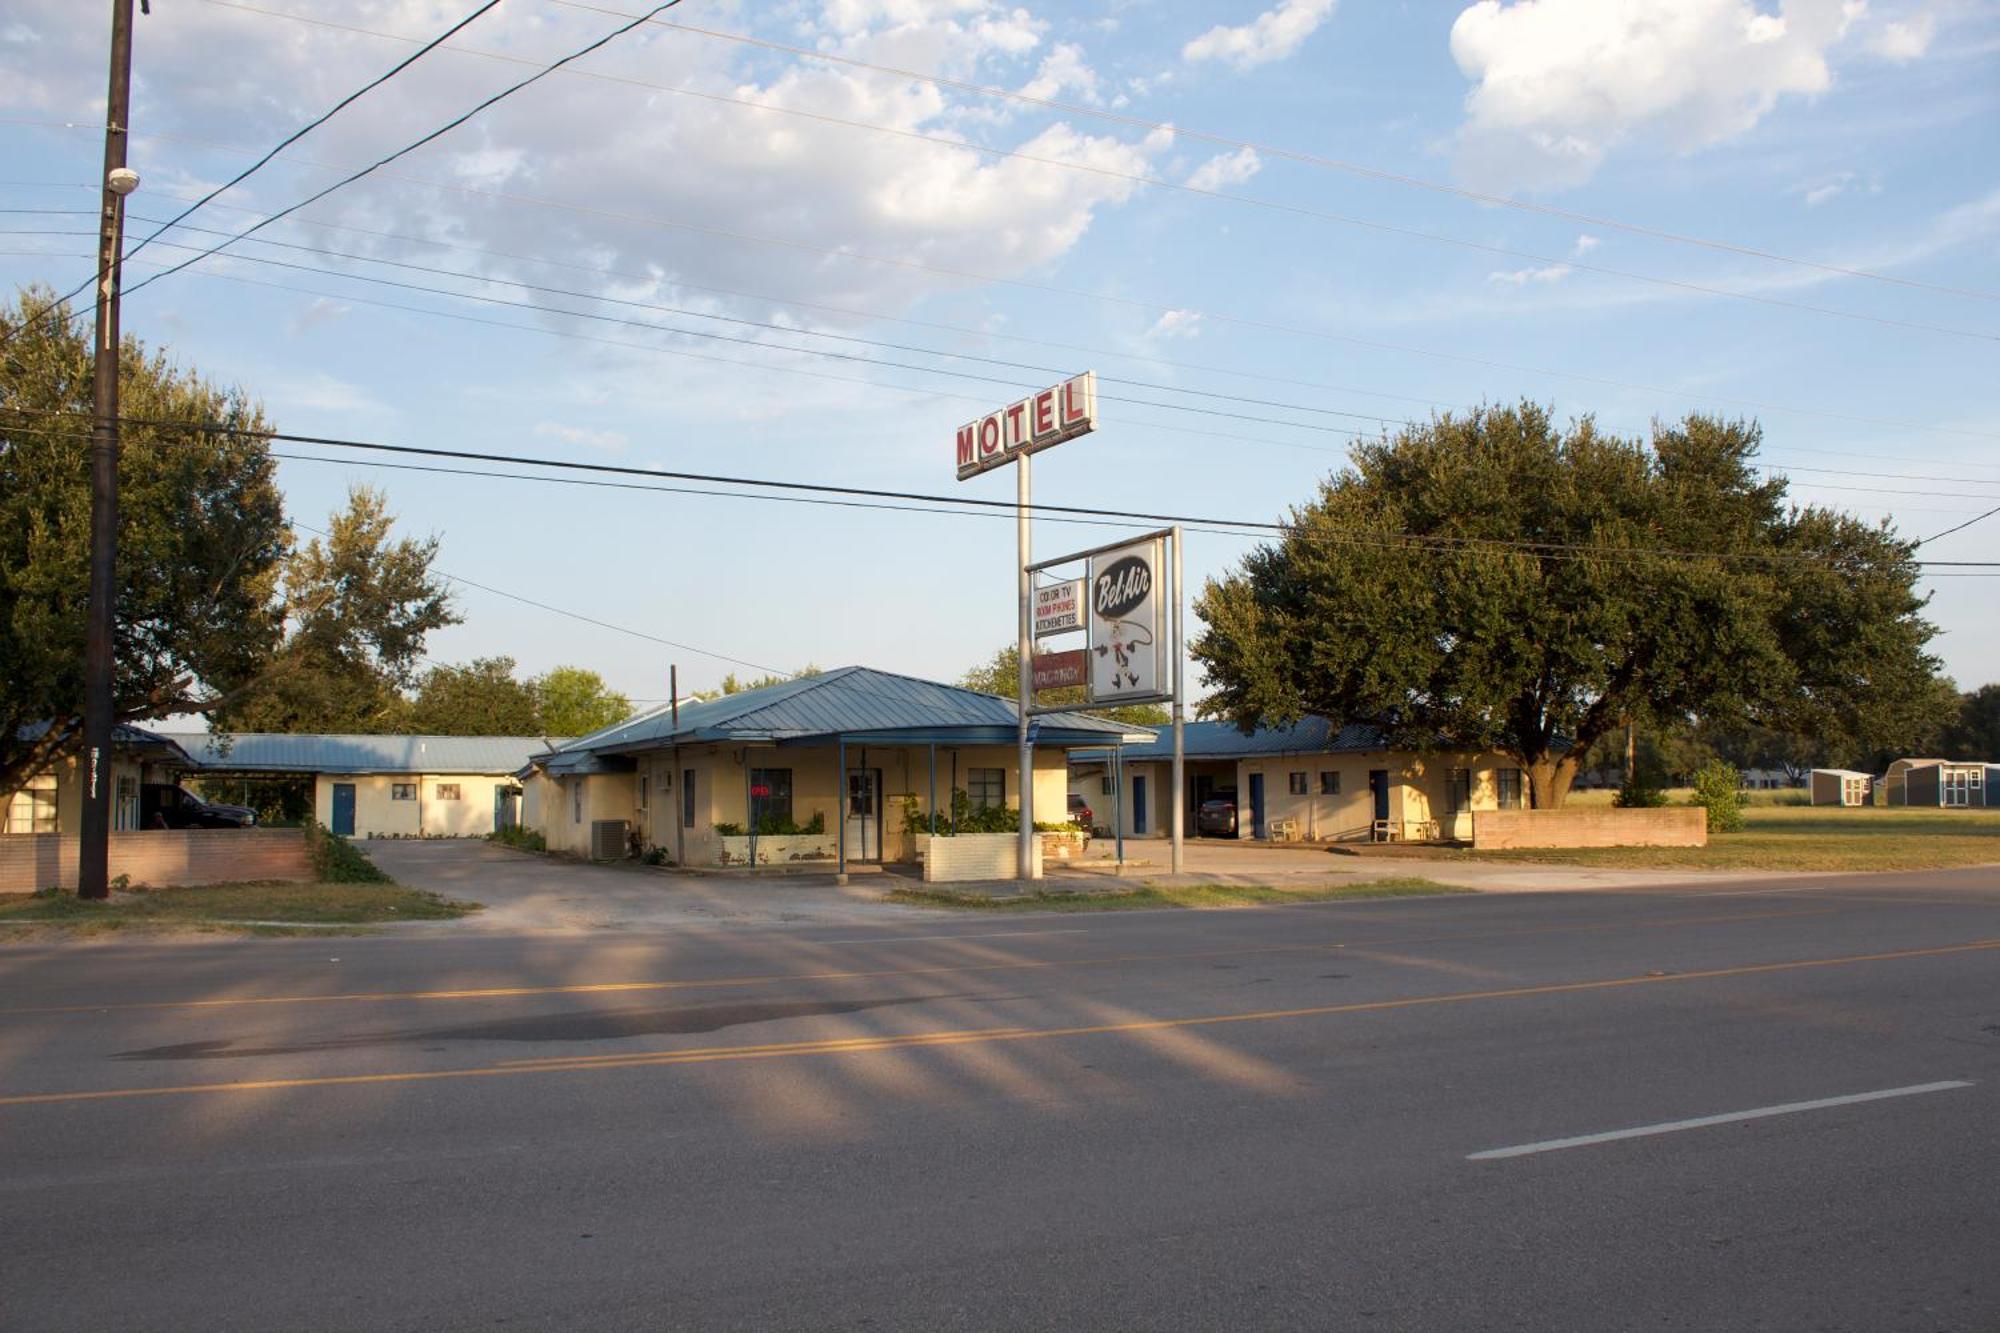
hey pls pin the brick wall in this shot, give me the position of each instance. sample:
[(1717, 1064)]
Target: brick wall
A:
[(159, 858), (1497, 830), (975, 856)]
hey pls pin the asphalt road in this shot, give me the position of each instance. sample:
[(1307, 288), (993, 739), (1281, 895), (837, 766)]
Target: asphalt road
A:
[(1277, 1118)]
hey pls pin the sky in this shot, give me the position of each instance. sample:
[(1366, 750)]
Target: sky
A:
[(807, 241)]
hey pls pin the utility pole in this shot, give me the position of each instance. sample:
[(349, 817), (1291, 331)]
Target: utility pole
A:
[(93, 878)]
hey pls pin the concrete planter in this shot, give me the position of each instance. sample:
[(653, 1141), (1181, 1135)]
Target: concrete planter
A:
[(778, 850), (1063, 846), (973, 856)]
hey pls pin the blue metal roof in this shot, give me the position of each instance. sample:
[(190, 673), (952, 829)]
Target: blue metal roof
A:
[(285, 752), (124, 736), (1224, 740), (848, 701)]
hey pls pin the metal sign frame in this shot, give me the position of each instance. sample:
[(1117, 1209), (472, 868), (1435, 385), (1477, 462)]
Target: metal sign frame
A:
[(1178, 671)]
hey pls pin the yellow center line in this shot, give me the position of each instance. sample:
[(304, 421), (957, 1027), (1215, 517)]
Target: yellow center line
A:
[(859, 1045), (774, 978)]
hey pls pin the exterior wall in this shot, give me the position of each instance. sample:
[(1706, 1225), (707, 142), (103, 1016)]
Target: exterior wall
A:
[(721, 794), (1107, 811), (69, 793), (160, 857), (377, 814), (1498, 830), (1418, 793)]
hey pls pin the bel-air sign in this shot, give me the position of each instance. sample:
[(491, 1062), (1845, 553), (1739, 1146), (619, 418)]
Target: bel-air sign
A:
[(1029, 426)]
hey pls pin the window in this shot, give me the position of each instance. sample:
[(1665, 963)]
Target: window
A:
[(1508, 780), (448, 791), (125, 812), (687, 798), (34, 807), (1105, 787), (1458, 791), (402, 791), (1298, 784), (644, 782), (986, 788), (1329, 784), (575, 800), (770, 798)]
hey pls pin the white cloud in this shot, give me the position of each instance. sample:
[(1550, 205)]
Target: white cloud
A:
[(1226, 169), (1523, 277), (1584, 245), (1272, 35), (610, 441), (1559, 83), (674, 193), (1902, 40), (1176, 324), (1063, 69)]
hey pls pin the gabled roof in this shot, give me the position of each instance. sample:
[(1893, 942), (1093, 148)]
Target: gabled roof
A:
[(287, 752), (1223, 740), (856, 702)]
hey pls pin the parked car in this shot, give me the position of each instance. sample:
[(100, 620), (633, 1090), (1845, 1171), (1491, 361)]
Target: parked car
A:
[(1080, 813), (1216, 818), (164, 805)]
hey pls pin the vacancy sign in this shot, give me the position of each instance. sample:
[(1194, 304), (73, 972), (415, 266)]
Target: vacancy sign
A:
[(1060, 671), (1029, 426), (1128, 614), (1059, 609)]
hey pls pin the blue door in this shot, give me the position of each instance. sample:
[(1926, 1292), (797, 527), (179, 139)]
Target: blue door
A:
[(343, 809), (1378, 787), (1256, 805), (1138, 803)]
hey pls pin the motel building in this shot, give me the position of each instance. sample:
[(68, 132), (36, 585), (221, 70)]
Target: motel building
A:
[(1310, 782), (376, 786), (824, 770)]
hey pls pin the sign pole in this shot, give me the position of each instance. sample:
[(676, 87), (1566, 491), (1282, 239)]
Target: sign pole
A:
[(1027, 662), (1180, 711)]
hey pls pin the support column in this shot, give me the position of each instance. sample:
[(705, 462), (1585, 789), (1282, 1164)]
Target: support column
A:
[(1024, 583), (840, 810)]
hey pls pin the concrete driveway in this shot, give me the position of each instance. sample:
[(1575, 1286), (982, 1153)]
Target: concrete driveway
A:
[(527, 892)]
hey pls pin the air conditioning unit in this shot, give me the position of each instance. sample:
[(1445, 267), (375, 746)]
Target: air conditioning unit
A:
[(608, 840)]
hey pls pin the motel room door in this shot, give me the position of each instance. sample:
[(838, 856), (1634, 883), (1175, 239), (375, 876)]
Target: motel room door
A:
[(343, 809), (864, 814)]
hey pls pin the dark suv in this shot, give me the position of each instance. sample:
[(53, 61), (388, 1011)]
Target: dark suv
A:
[(1080, 813), (164, 805)]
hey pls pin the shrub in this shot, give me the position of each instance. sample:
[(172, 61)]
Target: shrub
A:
[(523, 839), (337, 861), (1639, 795), (1718, 788)]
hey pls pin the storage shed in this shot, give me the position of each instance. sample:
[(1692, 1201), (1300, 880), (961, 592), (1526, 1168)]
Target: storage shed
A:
[(1842, 786), (1947, 784)]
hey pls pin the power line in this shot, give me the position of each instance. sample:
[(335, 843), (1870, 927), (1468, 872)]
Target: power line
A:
[(784, 347), (1959, 527), (281, 145), (1293, 155), (311, 125), (415, 144), (1152, 307), (1159, 182), (824, 488)]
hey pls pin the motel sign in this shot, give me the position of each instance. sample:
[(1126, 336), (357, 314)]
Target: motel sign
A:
[(1029, 426)]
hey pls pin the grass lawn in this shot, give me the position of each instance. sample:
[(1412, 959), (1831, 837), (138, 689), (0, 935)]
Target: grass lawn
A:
[(1822, 838), (216, 906), (1154, 896)]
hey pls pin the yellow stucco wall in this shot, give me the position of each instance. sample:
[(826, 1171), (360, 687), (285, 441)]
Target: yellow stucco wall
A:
[(377, 812), (721, 793), (69, 793)]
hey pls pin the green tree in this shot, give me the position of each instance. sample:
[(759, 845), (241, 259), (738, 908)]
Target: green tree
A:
[(481, 698), (575, 702), (360, 605), (200, 537), (730, 684), (1975, 732), (1493, 582), (1001, 674)]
